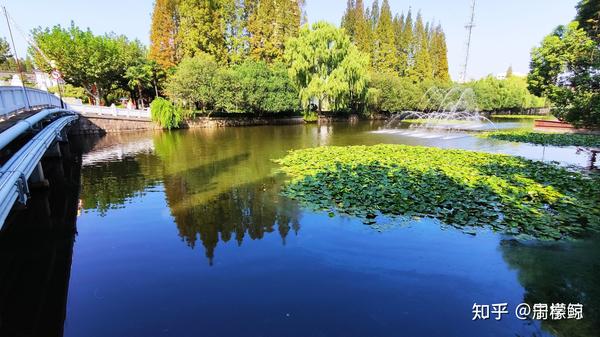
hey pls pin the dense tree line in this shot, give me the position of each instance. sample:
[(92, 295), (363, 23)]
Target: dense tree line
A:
[(107, 67), (398, 43), (228, 30), (256, 56), (392, 93), (566, 67)]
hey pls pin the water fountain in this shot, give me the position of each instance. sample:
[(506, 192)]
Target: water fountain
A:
[(451, 110)]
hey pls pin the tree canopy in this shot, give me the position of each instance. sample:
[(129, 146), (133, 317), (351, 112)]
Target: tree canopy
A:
[(97, 63), (566, 69), (329, 71)]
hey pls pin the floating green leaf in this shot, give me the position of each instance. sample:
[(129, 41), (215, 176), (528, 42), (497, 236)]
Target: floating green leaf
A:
[(461, 188)]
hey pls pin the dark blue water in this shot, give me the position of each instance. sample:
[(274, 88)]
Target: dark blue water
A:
[(186, 234)]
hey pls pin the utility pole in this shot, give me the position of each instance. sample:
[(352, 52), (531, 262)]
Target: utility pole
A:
[(469, 28), (17, 59)]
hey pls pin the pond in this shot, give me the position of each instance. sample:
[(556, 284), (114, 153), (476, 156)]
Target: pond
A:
[(187, 234)]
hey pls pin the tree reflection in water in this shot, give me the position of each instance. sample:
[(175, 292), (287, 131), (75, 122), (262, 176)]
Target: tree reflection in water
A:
[(560, 273), (219, 184)]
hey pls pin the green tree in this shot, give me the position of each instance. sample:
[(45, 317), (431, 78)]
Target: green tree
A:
[(5, 53), (237, 39), (566, 69), (408, 45), (422, 69), (95, 63), (349, 19), (271, 23), (358, 26), (439, 55), (192, 85), (374, 17), (588, 16), (202, 28), (384, 49), (163, 33), (401, 45), (509, 72), (328, 69)]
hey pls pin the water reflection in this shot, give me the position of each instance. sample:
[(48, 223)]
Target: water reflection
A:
[(214, 189), (249, 210), (560, 273), (36, 248)]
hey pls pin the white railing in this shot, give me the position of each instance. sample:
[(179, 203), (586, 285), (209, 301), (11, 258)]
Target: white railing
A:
[(16, 99), (85, 109)]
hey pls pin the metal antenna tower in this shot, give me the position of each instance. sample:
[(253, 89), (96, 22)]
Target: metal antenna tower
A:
[(469, 28)]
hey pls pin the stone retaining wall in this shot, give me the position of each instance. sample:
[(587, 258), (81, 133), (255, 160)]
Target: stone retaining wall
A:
[(218, 122), (111, 124)]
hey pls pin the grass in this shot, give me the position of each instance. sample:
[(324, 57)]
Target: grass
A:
[(540, 138), (460, 188)]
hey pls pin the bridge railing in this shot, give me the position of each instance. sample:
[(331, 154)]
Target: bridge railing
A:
[(17, 99), (86, 109)]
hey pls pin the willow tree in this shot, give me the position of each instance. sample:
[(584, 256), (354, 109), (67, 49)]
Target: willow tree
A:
[(328, 69), (163, 33)]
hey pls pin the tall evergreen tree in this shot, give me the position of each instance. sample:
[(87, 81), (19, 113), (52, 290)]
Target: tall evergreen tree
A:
[(363, 31), (271, 23), (384, 49), (349, 19), (374, 17), (401, 45), (202, 28), (439, 55), (408, 42), (422, 69), (163, 34), (237, 39)]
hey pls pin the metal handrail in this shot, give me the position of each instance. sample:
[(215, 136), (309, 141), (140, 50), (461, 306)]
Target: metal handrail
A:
[(14, 174), (15, 99), (23, 125), (109, 111)]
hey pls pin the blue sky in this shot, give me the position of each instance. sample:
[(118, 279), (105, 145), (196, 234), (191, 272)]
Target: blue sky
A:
[(505, 32)]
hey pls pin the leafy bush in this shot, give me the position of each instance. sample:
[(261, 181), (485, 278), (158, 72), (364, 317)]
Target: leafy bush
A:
[(510, 94), (539, 138), (264, 89), (461, 188), (393, 93), (166, 114), (251, 87)]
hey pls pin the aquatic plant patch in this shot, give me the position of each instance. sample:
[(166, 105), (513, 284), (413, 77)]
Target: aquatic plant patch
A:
[(540, 138), (460, 188)]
